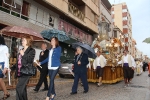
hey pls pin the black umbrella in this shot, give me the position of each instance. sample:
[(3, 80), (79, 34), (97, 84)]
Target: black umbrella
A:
[(86, 49)]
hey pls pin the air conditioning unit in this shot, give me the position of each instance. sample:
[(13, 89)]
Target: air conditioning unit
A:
[(51, 20)]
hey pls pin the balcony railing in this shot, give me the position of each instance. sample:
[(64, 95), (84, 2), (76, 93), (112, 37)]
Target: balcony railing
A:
[(19, 15), (106, 12), (14, 13), (75, 11)]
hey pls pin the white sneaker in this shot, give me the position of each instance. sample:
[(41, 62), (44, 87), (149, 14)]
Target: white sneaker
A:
[(99, 84)]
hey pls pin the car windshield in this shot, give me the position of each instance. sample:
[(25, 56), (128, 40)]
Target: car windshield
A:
[(68, 61)]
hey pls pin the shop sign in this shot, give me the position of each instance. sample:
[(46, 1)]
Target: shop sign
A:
[(75, 32)]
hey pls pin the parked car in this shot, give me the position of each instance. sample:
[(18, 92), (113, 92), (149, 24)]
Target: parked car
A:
[(65, 67)]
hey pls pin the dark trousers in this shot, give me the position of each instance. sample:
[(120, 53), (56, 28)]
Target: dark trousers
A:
[(52, 74), (21, 91), (43, 78), (144, 68), (132, 73), (83, 77), (127, 73), (99, 71)]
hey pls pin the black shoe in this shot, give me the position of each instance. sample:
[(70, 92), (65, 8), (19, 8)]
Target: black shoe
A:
[(72, 93), (35, 90), (85, 91), (44, 90)]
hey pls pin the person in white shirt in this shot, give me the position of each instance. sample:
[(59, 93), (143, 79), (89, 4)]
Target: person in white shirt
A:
[(4, 65), (128, 65), (139, 67), (99, 64)]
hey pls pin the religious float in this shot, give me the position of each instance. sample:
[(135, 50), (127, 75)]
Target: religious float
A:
[(111, 49)]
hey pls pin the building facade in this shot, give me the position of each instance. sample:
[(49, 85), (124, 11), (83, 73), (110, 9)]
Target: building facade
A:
[(122, 19), (77, 18), (117, 33), (133, 53), (139, 54)]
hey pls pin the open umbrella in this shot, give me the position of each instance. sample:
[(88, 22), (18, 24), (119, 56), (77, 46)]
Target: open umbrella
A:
[(18, 32), (61, 35), (86, 49), (147, 40)]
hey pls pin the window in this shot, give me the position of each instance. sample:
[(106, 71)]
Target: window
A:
[(124, 10), (112, 12), (1, 2), (124, 18), (51, 20), (17, 9), (8, 3), (25, 8), (115, 34)]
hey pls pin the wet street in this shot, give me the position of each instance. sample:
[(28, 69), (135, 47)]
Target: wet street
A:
[(138, 90)]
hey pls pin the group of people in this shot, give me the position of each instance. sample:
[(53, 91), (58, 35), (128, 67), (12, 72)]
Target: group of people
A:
[(49, 60)]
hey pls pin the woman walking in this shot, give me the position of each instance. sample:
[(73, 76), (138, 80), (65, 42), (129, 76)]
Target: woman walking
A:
[(53, 66), (4, 61), (25, 59)]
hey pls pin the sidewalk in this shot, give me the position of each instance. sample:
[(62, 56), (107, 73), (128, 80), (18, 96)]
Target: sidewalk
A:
[(138, 90)]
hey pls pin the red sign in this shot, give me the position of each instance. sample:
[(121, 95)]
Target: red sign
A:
[(75, 32)]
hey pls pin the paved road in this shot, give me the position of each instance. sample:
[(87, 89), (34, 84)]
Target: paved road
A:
[(138, 90)]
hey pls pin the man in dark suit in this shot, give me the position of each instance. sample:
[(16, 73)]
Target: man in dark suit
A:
[(80, 71), (44, 70)]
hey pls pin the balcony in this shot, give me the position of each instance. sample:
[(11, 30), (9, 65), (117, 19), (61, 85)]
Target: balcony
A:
[(125, 22), (106, 13), (126, 40), (125, 30), (124, 14), (76, 11), (10, 18), (11, 12), (124, 6)]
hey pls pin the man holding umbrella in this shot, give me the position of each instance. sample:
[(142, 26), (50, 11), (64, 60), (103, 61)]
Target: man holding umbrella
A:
[(80, 70)]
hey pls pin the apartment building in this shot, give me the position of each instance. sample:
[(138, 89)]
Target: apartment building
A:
[(117, 33), (133, 53), (77, 18), (122, 19)]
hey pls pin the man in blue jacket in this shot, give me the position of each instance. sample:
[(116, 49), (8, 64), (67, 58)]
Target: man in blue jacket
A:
[(80, 71)]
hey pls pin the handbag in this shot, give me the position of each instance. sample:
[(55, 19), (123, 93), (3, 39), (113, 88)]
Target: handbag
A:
[(29, 69)]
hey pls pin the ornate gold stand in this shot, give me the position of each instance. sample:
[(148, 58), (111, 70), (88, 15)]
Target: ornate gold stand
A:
[(110, 75)]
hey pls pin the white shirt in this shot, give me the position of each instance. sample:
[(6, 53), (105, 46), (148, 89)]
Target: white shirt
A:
[(50, 61), (98, 62), (125, 60), (4, 55)]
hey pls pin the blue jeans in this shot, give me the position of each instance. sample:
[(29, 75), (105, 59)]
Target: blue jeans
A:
[(52, 74), (1, 73)]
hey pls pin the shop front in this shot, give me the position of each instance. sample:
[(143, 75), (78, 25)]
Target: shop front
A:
[(76, 35)]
